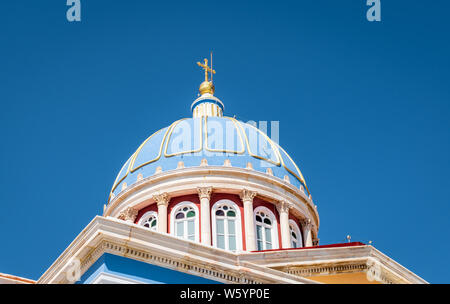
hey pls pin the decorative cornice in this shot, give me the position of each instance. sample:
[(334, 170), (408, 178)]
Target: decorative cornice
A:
[(109, 235), (204, 192), (382, 275), (247, 195), (229, 179), (162, 199), (306, 262), (283, 207), (129, 214), (203, 270)]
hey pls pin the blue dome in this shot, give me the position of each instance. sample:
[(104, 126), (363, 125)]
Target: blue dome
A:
[(216, 139)]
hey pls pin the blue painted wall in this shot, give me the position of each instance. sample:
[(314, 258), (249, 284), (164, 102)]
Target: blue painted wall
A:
[(139, 271)]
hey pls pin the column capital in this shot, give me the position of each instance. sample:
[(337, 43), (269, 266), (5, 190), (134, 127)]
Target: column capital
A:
[(247, 195), (306, 224), (129, 214), (283, 206), (204, 192), (162, 198), (315, 242)]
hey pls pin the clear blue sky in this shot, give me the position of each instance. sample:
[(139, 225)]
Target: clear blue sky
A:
[(363, 109)]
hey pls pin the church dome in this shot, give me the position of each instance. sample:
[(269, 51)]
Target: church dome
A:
[(208, 139), (211, 141)]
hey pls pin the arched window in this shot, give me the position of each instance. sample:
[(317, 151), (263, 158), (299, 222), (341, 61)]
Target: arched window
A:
[(184, 221), (149, 220), (296, 235), (226, 225), (266, 229)]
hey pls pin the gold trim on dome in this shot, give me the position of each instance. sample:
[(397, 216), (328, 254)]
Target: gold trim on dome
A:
[(116, 183), (300, 178), (132, 170), (184, 152), (274, 148), (133, 157), (224, 151)]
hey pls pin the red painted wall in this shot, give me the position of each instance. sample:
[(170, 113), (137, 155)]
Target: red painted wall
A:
[(141, 212), (257, 202)]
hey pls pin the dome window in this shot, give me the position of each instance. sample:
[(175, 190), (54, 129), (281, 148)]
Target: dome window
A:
[(266, 231), (296, 236), (226, 225), (185, 221), (149, 220)]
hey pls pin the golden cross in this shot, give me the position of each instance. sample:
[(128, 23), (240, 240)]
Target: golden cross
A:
[(206, 68)]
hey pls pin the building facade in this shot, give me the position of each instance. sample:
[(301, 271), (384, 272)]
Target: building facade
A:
[(210, 199)]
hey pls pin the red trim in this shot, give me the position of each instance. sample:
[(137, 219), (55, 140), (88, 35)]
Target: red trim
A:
[(15, 278), (352, 244)]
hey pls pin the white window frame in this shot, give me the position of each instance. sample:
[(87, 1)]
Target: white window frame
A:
[(297, 231), (274, 229), (146, 216), (238, 223), (175, 209)]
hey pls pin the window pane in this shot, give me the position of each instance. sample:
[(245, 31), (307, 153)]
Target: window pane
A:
[(221, 241), (258, 218), (220, 213), (232, 242), (268, 235), (267, 221), (258, 232), (260, 246), (179, 229), (231, 227), (220, 226), (191, 228), (191, 214), (294, 244), (179, 215), (154, 223), (231, 213)]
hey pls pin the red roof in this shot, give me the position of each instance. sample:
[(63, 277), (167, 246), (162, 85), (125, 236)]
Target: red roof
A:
[(317, 247), (16, 278)]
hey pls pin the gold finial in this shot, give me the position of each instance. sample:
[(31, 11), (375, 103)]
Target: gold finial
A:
[(207, 86)]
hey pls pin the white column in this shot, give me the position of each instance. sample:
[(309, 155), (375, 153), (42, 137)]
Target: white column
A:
[(249, 222), (283, 209), (307, 232), (162, 201), (204, 194)]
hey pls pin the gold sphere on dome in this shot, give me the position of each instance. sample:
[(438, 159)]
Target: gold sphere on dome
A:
[(206, 87)]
